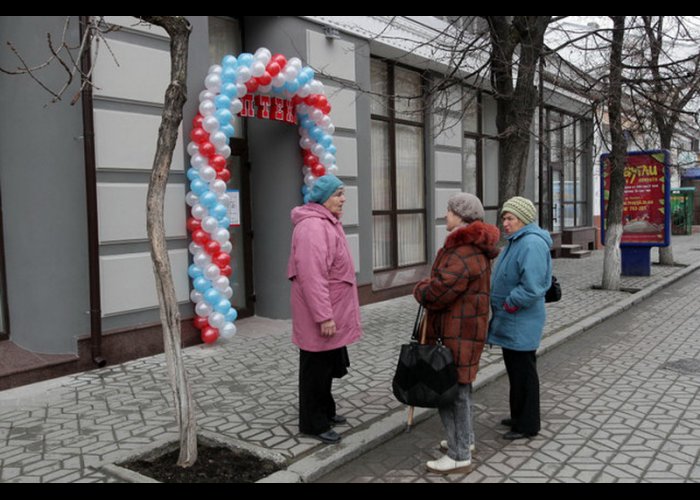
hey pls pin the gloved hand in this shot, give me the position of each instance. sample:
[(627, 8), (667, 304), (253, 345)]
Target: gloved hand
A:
[(509, 309)]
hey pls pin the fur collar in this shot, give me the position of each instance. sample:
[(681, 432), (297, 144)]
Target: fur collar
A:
[(480, 234)]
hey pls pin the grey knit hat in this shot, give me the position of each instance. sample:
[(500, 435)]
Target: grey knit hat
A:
[(467, 206), (522, 208)]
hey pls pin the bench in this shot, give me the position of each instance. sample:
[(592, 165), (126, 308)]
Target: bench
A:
[(583, 236)]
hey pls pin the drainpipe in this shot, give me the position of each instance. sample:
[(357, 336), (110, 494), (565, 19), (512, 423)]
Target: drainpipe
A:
[(91, 197)]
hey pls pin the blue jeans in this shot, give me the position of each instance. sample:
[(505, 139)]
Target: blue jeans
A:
[(457, 418)]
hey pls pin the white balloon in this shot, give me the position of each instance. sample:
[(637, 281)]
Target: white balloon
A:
[(257, 69), (213, 82), (228, 330), (290, 73), (327, 160), (264, 55), (192, 148), (194, 248), (214, 69), (304, 91), (264, 89), (218, 139), (203, 309), (197, 161), (226, 247), (241, 90), (316, 115), (210, 124), (199, 211), (218, 186), (306, 143), (191, 198), (236, 106), (243, 74), (196, 296), (332, 169), (209, 224), (325, 121), (207, 107), (278, 80), (221, 283), (211, 271), (201, 259), (316, 87), (224, 199), (228, 292), (318, 150), (216, 319), (294, 62), (207, 173), (221, 235), (309, 180), (224, 151), (206, 95)]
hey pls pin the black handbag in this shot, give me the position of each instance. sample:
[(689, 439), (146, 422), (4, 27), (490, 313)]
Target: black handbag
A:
[(554, 292), (426, 375)]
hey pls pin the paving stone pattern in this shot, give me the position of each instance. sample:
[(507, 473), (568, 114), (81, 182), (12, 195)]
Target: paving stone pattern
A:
[(63, 430)]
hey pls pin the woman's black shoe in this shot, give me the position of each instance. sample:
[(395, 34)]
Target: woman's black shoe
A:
[(512, 435), (338, 420), (508, 422), (328, 437)]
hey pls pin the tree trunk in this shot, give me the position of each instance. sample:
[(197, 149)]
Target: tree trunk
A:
[(176, 94), (523, 37), (613, 220)]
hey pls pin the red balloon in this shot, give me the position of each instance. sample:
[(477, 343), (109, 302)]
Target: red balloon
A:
[(318, 170), (226, 270), (221, 259), (224, 175), (212, 247), (280, 60), (322, 101), (326, 109), (312, 100), (200, 237), (197, 121), (193, 224), (310, 159), (199, 135), (207, 149), (200, 323), (252, 85), (209, 335), (218, 162), (265, 79), (273, 68)]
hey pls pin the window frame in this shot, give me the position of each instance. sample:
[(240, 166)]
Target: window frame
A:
[(393, 212)]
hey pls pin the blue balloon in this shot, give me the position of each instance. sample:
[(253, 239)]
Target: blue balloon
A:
[(201, 284), (222, 102), (228, 130), (212, 296), (229, 90), (228, 60), (228, 74), (218, 211), (208, 199), (224, 222), (192, 174), (199, 187), (223, 306), (231, 315), (194, 271), (245, 59), (224, 116)]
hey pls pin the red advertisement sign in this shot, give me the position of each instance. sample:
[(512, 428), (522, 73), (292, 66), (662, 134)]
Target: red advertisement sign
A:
[(644, 213)]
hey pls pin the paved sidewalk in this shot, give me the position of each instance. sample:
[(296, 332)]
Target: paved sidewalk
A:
[(66, 429)]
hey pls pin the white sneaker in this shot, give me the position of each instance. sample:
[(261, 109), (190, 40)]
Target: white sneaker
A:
[(444, 447), (446, 465)]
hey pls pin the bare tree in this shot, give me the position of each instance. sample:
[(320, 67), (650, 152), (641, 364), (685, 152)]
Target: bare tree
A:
[(178, 28)]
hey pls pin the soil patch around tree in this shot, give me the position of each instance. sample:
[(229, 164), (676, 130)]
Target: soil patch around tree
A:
[(215, 464)]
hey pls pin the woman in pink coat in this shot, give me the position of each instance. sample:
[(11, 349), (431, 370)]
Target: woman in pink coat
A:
[(325, 306)]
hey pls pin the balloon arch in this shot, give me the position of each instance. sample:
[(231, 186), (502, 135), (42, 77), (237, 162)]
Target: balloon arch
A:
[(282, 88)]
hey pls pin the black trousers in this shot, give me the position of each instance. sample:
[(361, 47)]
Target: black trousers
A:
[(524, 390), (316, 373)]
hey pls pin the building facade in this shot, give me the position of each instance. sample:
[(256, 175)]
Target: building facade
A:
[(77, 285)]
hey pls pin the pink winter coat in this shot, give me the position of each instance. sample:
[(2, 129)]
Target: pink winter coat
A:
[(323, 281)]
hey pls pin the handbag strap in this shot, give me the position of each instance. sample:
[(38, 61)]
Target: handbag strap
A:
[(420, 327)]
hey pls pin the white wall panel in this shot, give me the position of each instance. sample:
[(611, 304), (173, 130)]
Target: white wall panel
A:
[(448, 166), (333, 57), (350, 209), (354, 243), (143, 73), (346, 156), (440, 235), (344, 113), (121, 209), (441, 197), (448, 131), (128, 141), (127, 282)]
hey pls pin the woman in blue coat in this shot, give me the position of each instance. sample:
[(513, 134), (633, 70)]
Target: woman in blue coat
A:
[(520, 279)]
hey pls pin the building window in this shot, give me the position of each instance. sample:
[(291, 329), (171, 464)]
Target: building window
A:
[(564, 196), (3, 295), (398, 167)]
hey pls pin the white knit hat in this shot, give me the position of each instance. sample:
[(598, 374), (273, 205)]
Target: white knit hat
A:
[(466, 206), (522, 208)]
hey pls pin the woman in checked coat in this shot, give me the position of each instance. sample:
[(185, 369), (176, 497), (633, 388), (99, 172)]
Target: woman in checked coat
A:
[(456, 297)]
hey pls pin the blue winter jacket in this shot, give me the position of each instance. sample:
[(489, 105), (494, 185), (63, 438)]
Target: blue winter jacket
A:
[(521, 277)]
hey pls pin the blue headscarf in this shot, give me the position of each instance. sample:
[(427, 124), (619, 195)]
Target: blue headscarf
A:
[(323, 188)]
